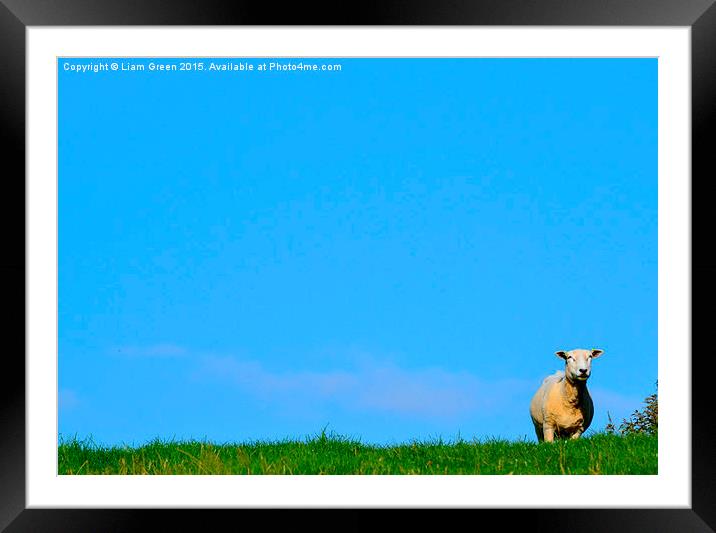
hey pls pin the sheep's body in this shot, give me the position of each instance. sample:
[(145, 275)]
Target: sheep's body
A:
[(561, 408)]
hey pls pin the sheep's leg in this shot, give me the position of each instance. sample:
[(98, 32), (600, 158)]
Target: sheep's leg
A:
[(538, 431), (548, 432)]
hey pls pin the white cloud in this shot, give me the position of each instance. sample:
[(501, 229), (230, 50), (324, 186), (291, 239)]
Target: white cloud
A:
[(67, 399), (154, 350), (615, 403), (372, 387)]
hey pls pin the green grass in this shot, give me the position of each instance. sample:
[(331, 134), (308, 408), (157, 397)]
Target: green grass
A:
[(330, 454)]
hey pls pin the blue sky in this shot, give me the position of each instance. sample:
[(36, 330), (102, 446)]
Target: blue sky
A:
[(394, 251)]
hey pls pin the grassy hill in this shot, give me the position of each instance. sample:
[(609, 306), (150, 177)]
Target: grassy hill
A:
[(330, 454)]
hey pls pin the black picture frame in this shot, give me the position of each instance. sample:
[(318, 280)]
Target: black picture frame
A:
[(17, 15)]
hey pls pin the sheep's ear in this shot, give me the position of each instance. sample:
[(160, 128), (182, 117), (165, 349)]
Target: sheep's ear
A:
[(561, 354), (596, 353)]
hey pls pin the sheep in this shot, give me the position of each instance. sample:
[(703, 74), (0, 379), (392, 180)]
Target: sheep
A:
[(562, 407)]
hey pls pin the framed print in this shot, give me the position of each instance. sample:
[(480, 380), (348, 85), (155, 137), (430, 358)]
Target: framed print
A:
[(346, 254)]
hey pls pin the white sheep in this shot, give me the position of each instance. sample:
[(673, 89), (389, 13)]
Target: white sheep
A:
[(562, 407)]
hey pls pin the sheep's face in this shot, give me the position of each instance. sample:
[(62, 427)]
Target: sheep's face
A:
[(578, 363)]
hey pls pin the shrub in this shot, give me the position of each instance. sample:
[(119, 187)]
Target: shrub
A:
[(645, 421)]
